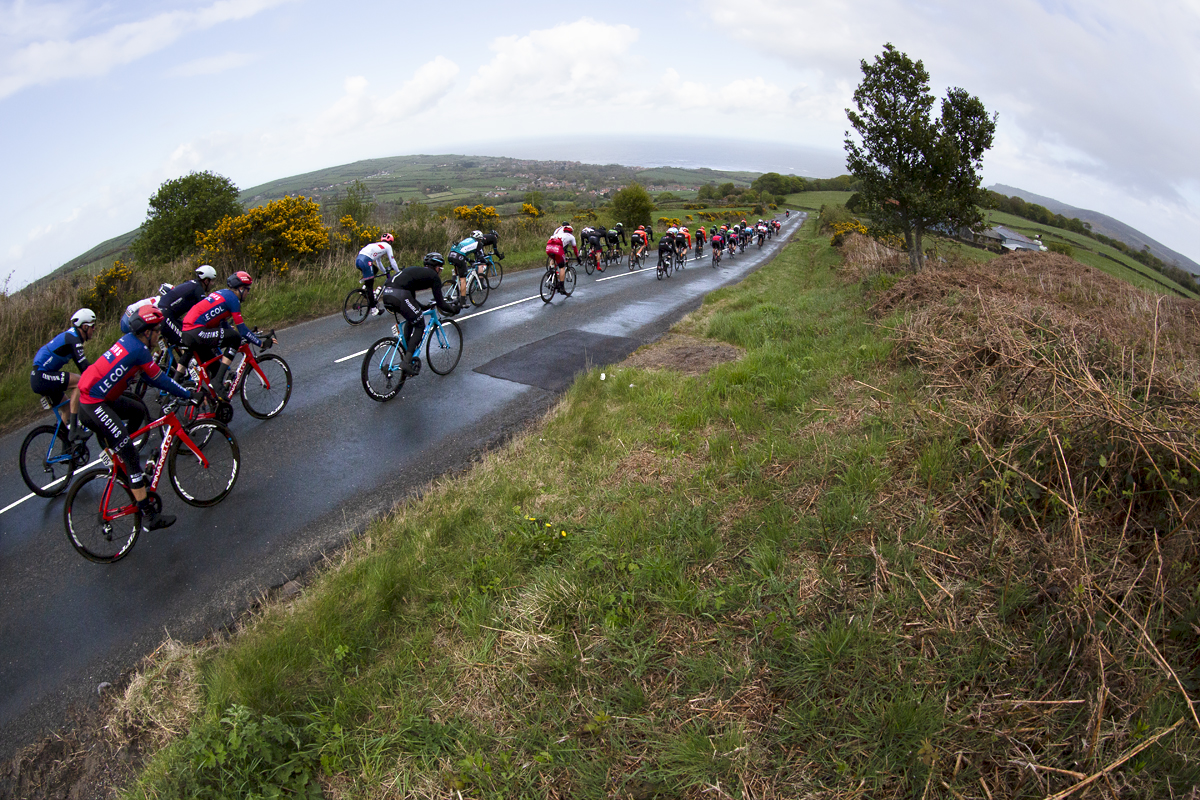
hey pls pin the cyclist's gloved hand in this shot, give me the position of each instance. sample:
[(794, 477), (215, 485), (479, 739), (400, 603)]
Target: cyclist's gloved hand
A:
[(196, 397)]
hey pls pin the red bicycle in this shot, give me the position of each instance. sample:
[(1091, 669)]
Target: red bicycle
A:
[(264, 382), (202, 460)]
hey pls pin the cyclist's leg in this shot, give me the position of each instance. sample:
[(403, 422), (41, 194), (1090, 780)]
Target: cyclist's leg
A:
[(110, 420)]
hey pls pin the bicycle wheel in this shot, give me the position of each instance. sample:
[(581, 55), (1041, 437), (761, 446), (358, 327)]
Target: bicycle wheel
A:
[(356, 307), (590, 265), (495, 274), (381, 374), (264, 399), (444, 348), (450, 290), (478, 290), (568, 281), (100, 515), (548, 285), (199, 485), (46, 462)]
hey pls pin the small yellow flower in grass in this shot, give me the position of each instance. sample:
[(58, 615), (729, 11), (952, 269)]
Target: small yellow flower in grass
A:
[(563, 534), (547, 524)]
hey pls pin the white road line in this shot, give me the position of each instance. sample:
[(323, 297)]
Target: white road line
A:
[(460, 319), (16, 503)]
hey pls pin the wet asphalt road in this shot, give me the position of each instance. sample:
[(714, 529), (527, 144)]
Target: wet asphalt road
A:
[(311, 478)]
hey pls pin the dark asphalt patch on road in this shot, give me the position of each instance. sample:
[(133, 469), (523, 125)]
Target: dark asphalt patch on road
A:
[(552, 363)]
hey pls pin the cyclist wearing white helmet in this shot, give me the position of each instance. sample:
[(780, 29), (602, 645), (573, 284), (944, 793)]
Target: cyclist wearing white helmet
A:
[(179, 300), (370, 263), (48, 377)]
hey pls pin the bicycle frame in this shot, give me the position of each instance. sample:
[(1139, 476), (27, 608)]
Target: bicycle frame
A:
[(174, 428), (248, 361)]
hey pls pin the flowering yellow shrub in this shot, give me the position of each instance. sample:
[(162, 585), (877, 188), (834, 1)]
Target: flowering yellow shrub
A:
[(352, 234), (267, 239), (667, 222), (840, 229), (530, 210), (109, 285), (480, 216)]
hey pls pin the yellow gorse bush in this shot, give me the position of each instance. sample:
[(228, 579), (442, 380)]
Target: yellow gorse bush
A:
[(267, 239), (530, 210), (352, 234), (110, 287), (480, 216), (840, 229)]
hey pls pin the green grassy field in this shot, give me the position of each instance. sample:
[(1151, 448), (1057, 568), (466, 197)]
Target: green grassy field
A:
[(756, 582)]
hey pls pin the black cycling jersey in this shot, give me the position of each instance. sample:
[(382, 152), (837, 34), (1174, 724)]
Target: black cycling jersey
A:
[(179, 301), (415, 279)]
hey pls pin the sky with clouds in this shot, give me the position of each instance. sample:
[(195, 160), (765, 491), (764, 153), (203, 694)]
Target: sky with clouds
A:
[(102, 102)]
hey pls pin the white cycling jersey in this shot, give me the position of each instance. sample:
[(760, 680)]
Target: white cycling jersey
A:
[(567, 239), (376, 251)]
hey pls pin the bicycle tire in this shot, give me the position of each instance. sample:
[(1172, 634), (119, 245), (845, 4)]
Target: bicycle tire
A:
[(93, 537), (569, 278), (547, 286), (381, 373), (444, 347), (356, 307), (196, 484), (450, 289), (46, 461), (477, 291), (495, 270), (260, 400), (590, 264)]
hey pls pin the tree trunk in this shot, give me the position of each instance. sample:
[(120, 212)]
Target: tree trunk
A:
[(919, 253), (911, 248)]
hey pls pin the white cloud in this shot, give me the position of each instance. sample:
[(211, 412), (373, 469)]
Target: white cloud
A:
[(360, 110), (212, 65), (49, 60), (546, 69)]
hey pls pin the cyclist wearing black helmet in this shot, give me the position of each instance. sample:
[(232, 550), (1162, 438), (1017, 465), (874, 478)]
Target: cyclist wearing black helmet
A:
[(48, 377), (399, 297), (207, 329), (112, 414)]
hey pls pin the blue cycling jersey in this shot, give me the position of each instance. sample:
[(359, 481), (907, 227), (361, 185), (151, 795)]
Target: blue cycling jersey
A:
[(67, 346)]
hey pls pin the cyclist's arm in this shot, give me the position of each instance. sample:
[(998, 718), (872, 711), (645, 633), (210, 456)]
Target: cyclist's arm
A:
[(243, 329), (78, 355), (162, 380)]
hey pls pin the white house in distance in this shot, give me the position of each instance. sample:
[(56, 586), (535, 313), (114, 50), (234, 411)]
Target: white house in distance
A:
[(1007, 239)]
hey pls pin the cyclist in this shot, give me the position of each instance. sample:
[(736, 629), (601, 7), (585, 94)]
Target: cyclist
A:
[(50, 380), (112, 414), (619, 230), (176, 303), (131, 309), (666, 249), (207, 329), (684, 238), (370, 264), (399, 296), (596, 239), (701, 235), (716, 239), (556, 248), (638, 240), (614, 240)]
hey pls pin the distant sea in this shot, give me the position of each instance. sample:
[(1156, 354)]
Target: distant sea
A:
[(683, 152)]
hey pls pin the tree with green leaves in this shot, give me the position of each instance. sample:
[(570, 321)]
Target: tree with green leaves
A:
[(916, 172), (632, 206), (179, 210)]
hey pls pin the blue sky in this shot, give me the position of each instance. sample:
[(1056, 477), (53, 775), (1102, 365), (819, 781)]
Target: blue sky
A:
[(100, 103)]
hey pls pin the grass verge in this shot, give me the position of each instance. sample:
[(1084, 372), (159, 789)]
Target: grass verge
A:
[(801, 574)]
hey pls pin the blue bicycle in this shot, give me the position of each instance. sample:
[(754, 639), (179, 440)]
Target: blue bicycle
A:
[(442, 343), (49, 458)]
